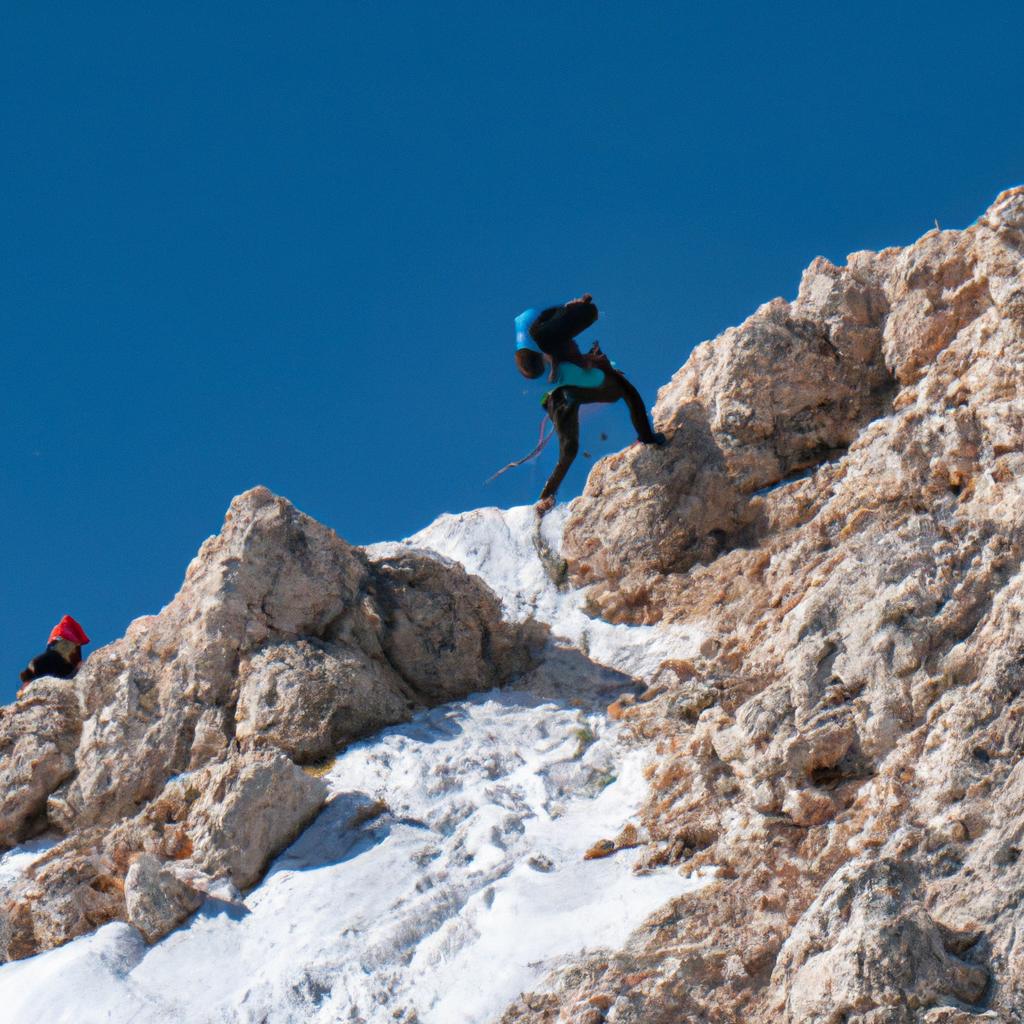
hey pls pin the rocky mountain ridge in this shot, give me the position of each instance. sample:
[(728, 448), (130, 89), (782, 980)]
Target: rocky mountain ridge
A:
[(846, 748), (816, 584)]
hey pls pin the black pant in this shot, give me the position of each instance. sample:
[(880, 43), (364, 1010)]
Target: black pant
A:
[(563, 408)]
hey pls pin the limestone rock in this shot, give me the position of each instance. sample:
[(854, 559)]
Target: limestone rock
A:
[(38, 737), (308, 698), (246, 809), (272, 575), (791, 386), (225, 821), (156, 900), (443, 631), (866, 946), (273, 595), (666, 509)]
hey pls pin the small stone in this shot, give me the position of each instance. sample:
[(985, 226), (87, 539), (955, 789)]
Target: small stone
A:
[(602, 848), (628, 837), (156, 900), (809, 807)]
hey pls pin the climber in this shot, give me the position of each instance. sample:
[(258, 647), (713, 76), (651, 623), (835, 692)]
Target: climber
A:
[(63, 653), (548, 337)]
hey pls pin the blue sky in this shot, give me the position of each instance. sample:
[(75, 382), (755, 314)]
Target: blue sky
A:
[(284, 244)]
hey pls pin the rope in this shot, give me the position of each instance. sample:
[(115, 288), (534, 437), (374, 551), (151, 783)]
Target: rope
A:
[(543, 440)]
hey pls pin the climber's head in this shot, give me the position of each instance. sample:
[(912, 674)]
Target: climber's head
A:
[(529, 359)]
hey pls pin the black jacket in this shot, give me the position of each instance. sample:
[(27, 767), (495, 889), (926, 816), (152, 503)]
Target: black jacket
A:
[(52, 663), (555, 332)]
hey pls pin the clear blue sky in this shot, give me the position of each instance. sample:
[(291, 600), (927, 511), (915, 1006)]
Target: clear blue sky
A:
[(284, 244)]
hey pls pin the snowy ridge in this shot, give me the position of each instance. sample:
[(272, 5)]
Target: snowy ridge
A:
[(446, 873), (517, 556)]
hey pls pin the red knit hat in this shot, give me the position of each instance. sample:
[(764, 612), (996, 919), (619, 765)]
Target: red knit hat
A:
[(68, 629)]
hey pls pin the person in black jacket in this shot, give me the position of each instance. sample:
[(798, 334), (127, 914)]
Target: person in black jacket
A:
[(548, 337), (63, 653)]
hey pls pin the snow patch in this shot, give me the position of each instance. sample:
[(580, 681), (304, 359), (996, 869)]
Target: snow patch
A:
[(15, 862)]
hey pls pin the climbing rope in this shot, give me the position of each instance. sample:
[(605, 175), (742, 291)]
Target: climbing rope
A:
[(543, 440)]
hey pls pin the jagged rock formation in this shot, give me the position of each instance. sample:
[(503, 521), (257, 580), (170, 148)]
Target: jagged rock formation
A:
[(171, 761), (847, 746)]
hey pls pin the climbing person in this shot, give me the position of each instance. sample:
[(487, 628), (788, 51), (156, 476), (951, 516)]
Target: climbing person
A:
[(63, 653), (547, 337)]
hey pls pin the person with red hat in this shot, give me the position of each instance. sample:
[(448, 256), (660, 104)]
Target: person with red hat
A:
[(63, 653)]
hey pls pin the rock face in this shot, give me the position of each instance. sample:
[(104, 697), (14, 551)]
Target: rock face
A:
[(846, 750), (38, 736), (176, 744)]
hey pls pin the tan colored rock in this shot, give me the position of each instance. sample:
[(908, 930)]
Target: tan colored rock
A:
[(442, 629), (172, 742), (38, 737), (166, 698), (263, 601), (309, 698), (271, 575), (156, 900), (602, 848), (225, 821), (809, 807), (245, 811), (867, 946), (791, 386)]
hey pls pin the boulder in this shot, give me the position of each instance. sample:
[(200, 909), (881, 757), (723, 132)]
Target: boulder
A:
[(156, 900), (309, 698)]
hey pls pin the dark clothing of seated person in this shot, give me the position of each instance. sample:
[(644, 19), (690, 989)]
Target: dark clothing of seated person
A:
[(548, 338), (62, 656)]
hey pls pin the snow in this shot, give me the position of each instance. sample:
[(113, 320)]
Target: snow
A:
[(464, 892), (446, 873), (16, 862), (517, 555)]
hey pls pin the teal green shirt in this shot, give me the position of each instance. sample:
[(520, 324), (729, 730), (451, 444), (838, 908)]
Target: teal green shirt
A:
[(571, 375)]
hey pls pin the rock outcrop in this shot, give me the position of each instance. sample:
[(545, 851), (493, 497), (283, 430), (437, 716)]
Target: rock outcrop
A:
[(38, 737), (840, 509), (173, 755)]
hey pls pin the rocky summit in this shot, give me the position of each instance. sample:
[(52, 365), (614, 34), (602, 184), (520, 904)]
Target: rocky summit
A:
[(807, 608), (170, 763)]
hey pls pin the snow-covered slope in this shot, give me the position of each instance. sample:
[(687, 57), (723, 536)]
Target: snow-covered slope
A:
[(446, 874), (441, 908), (517, 555)]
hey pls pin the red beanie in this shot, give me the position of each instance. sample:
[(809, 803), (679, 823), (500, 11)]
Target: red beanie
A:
[(68, 629)]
